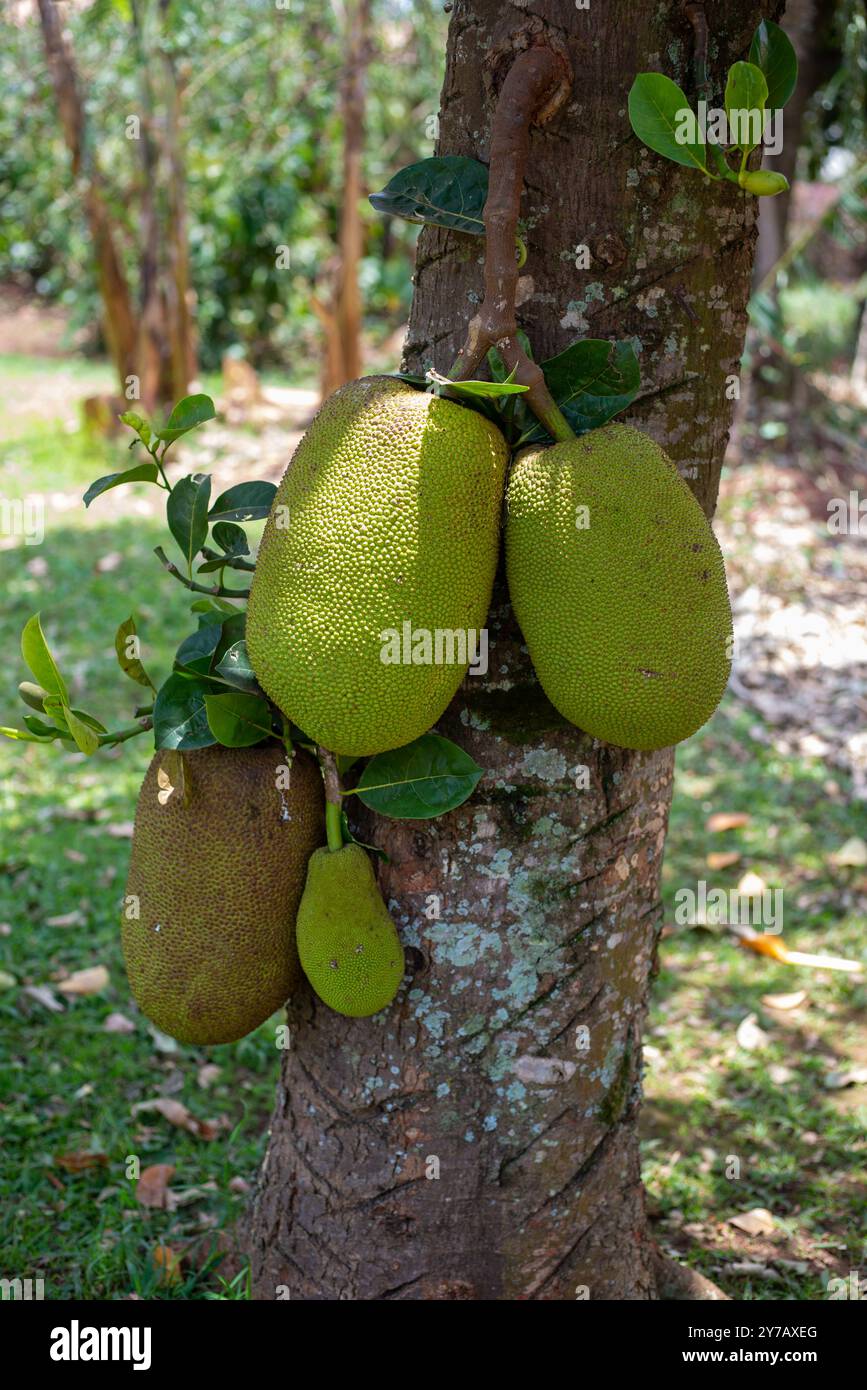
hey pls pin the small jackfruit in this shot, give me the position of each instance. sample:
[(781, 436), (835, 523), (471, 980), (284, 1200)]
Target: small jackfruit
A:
[(376, 566), (349, 947), (619, 588), (216, 873), (766, 183)]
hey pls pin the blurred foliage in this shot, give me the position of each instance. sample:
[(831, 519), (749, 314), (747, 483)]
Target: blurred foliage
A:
[(262, 144), (837, 115)]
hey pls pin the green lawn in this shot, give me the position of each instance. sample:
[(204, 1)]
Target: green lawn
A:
[(68, 1087)]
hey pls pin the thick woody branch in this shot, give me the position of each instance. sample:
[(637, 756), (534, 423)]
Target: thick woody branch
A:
[(524, 95)]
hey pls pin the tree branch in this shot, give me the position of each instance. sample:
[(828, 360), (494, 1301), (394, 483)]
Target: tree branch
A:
[(523, 98)]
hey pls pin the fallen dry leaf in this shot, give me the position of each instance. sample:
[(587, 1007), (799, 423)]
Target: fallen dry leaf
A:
[(239, 1184), (75, 856), (837, 1080), (66, 919), (89, 981), (722, 858), (177, 1114), (208, 1074), (785, 1001), (118, 1023), (172, 1110), (44, 996), (78, 1162), (751, 886), (749, 1035), (122, 830), (185, 1195), (753, 1267), (152, 1188), (726, 820), (162, 1041), (851, 855), (168, 1262), (756, 1222), (780, 1074)]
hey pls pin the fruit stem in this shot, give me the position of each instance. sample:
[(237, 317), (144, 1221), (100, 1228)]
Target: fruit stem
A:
[(333, 798), (526, 96), (333, 828)]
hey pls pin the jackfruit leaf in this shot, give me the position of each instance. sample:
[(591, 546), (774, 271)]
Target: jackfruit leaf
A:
[(591, 381), (56, 710), (86, 737), (350, 839), (25, 736), (180, 717), (657, 108), (244, 502), (187, 414), (508, 387), (39, 660), (230, 538), (140, 473), (772, 51), (213, 606), (187, 514), (139, 424), (130, 665), (746, 90), (232, 562), (43, 730), (234, 630), (235, 668), (237, 720), (196, 652), (444, 191), (423, 779)]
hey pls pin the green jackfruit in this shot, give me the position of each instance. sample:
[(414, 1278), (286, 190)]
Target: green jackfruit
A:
[(619, 587), (349, 947), (216, 874), (385, 528)]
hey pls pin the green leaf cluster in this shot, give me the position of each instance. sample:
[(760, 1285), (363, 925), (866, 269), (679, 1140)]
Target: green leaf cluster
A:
[(662, 118)]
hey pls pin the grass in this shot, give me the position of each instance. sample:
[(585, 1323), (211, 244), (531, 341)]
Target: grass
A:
[(67, 1087)]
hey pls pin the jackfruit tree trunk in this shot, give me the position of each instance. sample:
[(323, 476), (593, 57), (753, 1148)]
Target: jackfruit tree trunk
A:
[(478, 1140)]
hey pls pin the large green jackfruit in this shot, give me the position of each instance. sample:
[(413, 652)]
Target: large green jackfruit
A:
[(349, 947), (386, 524), (619, 587), (215, 877)]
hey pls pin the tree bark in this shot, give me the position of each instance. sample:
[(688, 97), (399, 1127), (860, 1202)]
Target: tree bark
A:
[(478, 1140)]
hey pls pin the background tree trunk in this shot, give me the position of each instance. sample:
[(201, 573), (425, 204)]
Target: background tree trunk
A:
[(340, 313), (478, 1139), (119, 325)]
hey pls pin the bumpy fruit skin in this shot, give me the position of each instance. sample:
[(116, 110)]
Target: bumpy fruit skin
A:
[(218, 881), (349, 947), (388, 513), (626, 619)]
